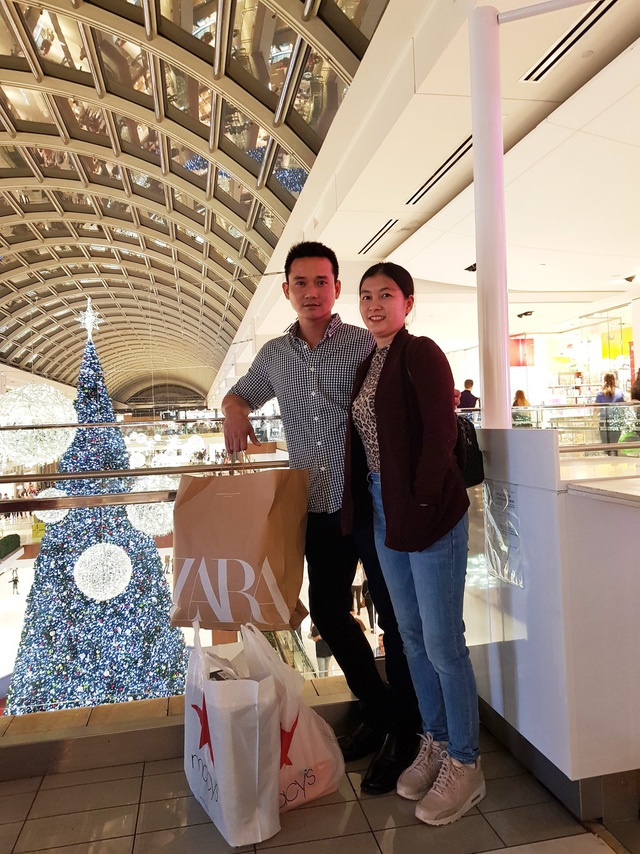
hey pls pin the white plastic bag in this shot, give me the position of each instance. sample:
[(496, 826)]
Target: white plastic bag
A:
[(232, 747), (311, 763)]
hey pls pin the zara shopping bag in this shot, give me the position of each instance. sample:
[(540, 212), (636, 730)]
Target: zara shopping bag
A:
[(238, 546), (232, 747), (311, 763)]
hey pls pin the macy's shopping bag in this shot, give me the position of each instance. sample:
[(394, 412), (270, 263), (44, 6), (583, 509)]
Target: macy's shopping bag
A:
[(238, 550), (311, 763), (232, 747)]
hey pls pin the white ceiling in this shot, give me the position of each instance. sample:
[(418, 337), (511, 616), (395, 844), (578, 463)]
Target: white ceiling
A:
[(572, 173)]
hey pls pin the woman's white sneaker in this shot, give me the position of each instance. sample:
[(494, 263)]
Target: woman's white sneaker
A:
[(457, 788), (417, 779)]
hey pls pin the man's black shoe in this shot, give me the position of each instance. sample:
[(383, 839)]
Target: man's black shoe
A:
[(396, 754), (361, 742)]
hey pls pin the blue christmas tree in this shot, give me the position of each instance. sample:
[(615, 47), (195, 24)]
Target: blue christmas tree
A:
[(96, 626)]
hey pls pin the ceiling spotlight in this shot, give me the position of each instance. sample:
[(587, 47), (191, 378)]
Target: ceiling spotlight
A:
[(471, 268), (525, 314)]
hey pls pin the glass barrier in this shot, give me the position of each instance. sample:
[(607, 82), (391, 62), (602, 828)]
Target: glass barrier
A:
[(86, 554)]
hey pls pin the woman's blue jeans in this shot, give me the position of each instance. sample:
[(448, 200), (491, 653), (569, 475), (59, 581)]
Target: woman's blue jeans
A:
[(427, 592)]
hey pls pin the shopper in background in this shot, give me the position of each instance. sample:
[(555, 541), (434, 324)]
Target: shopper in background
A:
[(400, 455), (310, 370), (610, 418), (356, 588), (323, 652), (522, 418), (468, 400)]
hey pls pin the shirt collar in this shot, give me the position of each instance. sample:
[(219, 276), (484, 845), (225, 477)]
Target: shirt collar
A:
[(334, 325)]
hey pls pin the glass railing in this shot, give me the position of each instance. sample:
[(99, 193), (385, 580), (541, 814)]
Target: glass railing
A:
[(86, 554), (592, 427)]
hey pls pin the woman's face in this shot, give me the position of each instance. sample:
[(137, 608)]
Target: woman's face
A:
[(383, 307)]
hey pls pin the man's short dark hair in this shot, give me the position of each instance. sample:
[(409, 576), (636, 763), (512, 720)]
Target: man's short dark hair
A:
[(310, 249)]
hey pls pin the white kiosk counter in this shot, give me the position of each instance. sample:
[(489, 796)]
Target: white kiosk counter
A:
[(556, 646)]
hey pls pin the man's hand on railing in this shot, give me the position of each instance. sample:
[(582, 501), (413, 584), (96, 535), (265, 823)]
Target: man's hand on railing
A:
[(237, 426)]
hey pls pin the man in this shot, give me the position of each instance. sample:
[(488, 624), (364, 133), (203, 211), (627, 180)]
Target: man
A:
[(310, 371), (468, 400)]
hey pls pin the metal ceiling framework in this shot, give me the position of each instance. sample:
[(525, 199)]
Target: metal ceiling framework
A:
[(151, 153)]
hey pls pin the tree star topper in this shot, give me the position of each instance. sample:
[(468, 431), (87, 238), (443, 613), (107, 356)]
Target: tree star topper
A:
[(89, 319)]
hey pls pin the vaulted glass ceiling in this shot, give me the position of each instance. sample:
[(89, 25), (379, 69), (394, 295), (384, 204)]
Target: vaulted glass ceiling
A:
[(150, 155)]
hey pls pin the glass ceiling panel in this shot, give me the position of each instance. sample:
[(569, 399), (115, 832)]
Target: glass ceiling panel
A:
[(261, 45), (124, 234), (245, 136), (52, 229), (56, 37), (288, 173), (227, 231), (16, 233), (73, 201), (82, 118), (190, 161), (115, 208), (266, 221), (8, 43), (189, 206), (364, 14), (197, 19), (125, 65), (53, 162), (32, 198), (146, 185), (239, 198), (26, 105), (136, 135), (12, 162), (188, 95), (97, 168), (320, 93)]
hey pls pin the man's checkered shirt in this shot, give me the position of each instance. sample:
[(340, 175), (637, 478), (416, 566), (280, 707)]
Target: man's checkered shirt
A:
[(313, 389)]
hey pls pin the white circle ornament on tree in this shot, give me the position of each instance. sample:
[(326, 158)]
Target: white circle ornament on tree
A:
[(36, 403), (102, 571), (153, 519), (51, 517)]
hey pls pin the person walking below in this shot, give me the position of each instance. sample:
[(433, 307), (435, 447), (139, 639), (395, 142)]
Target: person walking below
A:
[(323, 653), (610, 421), (400, 454), (356, 588)]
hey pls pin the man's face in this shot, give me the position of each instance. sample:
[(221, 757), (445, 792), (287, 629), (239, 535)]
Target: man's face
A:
[(311, 288)]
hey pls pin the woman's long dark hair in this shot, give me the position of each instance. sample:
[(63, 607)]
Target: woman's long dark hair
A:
[(609, 385)]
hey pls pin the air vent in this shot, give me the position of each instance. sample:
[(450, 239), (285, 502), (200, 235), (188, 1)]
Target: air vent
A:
[(386, 228), (442, 170), (567, 42)]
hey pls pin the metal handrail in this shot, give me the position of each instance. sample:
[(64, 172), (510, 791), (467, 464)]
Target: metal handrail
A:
[(21, 505)]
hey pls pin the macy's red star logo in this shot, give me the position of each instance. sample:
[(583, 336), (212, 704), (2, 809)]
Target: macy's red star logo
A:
[(286, 737), (205, 735)]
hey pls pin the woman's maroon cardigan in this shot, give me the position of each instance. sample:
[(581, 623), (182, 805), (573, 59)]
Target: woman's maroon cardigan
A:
[(423, 493)]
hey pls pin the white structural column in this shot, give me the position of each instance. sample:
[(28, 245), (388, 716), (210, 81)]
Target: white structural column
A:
[(488, 177)]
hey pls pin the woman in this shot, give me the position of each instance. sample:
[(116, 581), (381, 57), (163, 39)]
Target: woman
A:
[(610, 421), (400, 440), (520, 419)]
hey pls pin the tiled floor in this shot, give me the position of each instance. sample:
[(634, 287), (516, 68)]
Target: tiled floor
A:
[(147, 807)]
